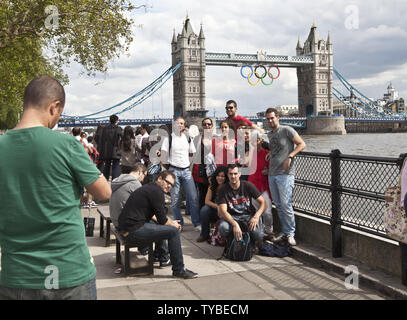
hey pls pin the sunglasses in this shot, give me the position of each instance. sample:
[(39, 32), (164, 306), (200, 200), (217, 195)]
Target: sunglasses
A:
[(169, 183), (206, 124), (229, 108)]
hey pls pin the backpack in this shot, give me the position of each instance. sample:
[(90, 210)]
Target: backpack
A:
[(240, 250), (273, 250)]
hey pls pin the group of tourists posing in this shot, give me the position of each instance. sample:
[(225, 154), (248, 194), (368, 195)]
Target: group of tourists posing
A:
[(223, 186), (42, 238)]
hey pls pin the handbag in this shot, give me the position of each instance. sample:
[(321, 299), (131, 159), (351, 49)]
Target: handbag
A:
[(394, 219)]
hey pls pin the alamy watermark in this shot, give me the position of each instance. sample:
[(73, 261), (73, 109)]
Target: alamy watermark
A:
[(352, 281), (352, 18), (52, 281)]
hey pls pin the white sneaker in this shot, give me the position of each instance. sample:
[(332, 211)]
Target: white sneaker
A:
[(93, 204), (291, 240), (198, 228)]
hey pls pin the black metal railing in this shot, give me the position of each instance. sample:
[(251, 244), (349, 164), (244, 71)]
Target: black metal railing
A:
[(346, 190)]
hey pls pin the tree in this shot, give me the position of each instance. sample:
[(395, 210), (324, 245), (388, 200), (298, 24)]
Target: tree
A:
[(41, 37)]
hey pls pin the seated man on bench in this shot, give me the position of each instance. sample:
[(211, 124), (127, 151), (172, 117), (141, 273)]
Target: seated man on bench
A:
[(135, 223), (122, 187)]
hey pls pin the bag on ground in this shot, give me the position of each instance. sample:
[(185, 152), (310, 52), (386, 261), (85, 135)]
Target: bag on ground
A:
[(242, 249), (269, 249)]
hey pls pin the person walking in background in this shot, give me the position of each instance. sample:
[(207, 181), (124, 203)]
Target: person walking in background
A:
[(282, 140), (209, 212), (128, 150), (110, 147), (44, 254)]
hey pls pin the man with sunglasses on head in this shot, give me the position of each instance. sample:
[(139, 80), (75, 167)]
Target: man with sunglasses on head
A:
[(146, 204), (235, 121)]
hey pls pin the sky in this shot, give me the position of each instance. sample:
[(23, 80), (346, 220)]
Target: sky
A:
[(369, 43)]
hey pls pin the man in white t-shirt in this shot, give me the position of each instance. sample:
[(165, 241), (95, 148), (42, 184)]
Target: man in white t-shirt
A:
[(177, 152)]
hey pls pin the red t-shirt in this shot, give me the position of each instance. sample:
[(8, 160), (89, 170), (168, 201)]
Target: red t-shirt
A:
[(257, 178), (224, 151), (240, 120)]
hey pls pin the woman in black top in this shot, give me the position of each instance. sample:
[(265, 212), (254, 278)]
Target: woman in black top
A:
[(209, 212)]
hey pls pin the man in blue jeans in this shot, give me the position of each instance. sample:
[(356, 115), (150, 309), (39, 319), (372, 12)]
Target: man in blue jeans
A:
[(282, 170), (148, 203), (236, 204), (176, 151)]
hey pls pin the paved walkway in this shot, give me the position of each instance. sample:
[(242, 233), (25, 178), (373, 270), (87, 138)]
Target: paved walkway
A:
[(262, 278)]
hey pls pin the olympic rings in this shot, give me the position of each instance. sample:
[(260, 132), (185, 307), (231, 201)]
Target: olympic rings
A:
[(260, 77)]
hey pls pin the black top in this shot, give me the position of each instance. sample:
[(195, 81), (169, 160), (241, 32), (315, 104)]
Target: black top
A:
[(239, 202), (109, 146), (141, 206)]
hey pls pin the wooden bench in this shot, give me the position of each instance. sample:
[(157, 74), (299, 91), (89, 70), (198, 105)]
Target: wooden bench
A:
[(105, 218), (144, 270)]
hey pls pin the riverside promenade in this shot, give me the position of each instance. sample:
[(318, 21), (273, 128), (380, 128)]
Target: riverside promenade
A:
[(309, 274)]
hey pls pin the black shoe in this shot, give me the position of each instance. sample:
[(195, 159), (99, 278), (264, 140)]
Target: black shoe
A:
[(185, 274), (165, 263)]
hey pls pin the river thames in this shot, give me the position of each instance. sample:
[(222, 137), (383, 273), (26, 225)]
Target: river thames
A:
[(369, 144)]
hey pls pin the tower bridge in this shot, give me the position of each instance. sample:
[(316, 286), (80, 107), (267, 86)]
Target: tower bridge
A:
[(314, 65)]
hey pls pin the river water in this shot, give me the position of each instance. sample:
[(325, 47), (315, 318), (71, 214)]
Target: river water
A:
[(369, 144)]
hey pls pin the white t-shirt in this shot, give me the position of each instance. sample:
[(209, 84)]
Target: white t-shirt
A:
[(180, 150)]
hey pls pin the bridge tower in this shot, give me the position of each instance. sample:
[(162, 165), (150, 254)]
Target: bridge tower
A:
[(315, 81), (189, 80)]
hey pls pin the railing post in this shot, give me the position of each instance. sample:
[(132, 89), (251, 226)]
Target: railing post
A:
[(336, 204), (403, 246)]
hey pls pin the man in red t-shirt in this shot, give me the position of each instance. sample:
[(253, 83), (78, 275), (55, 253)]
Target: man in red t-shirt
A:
[(235, 121)]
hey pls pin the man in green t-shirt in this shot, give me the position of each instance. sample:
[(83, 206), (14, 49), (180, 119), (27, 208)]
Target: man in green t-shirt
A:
[(44, 254)]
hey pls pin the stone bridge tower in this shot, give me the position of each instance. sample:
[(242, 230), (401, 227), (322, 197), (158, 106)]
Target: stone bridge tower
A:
[(189, 80), (315, 81)]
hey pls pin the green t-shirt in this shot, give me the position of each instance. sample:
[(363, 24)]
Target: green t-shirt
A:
[(42, 235)]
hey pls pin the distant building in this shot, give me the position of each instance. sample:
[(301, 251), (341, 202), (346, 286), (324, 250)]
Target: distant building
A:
[(392, 101), (288, 110)]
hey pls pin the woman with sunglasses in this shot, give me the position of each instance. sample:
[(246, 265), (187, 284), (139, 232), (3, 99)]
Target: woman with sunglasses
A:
[(199, 169), (209, 212)]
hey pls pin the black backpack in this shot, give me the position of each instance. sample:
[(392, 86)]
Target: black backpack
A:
[(240, 250)]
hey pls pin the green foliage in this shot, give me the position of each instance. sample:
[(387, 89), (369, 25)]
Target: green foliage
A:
[(36, 39)]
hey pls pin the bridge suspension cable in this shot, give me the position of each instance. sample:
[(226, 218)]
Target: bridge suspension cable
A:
[(366, 106), (143, 94)]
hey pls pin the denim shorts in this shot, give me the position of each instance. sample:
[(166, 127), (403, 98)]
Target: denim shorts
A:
[(86, 291)]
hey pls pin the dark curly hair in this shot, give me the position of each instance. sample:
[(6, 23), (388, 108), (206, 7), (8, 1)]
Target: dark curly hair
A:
[(214, 184)]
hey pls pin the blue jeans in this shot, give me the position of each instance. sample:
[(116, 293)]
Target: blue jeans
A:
[(225, 228), (281, 188), (183, 177), (208, 215), (86, 291), (151, 231), (115, 168)]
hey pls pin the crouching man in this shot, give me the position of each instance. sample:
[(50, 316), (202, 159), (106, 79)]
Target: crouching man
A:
[(148, 203), (236, 204)]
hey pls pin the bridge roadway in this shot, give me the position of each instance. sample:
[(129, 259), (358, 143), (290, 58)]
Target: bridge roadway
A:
[(300, 122)]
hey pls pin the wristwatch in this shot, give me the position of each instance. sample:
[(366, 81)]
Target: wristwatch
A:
[(291, 157)]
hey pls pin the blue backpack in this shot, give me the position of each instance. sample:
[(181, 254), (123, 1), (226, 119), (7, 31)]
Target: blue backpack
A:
[(273, 250)]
